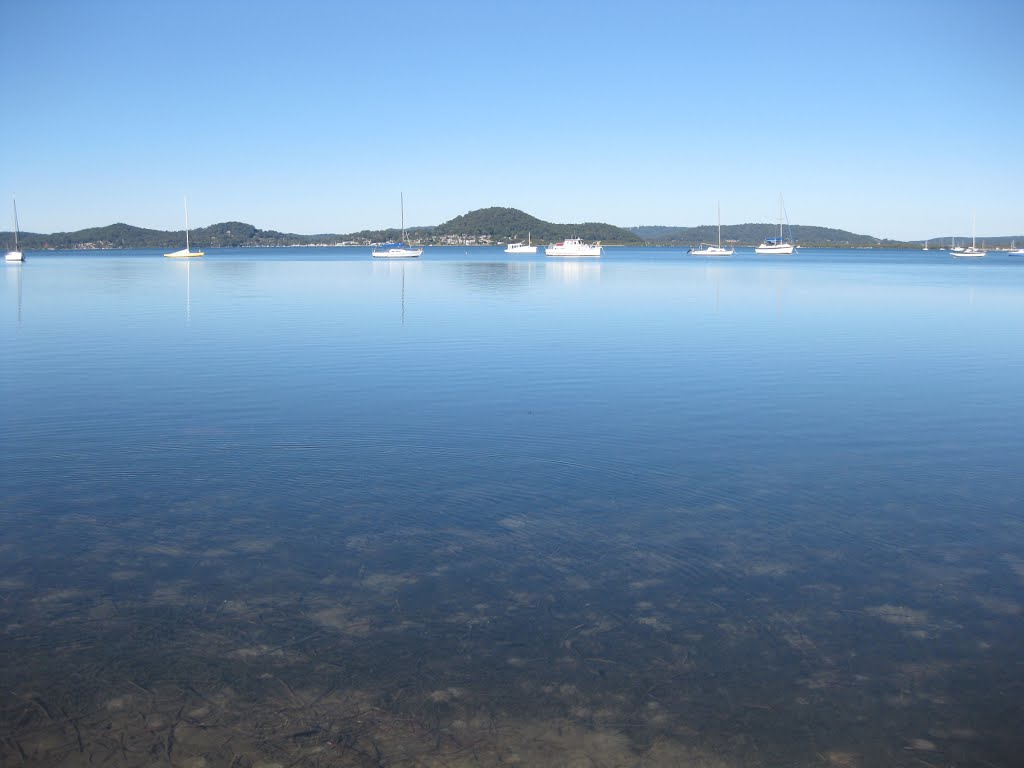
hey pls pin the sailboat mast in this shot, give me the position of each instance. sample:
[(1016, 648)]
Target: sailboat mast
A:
[(15, 204), (186, 222), (719, 223), (402, 198)]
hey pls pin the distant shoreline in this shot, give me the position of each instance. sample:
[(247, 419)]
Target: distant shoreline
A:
[(483, 227), (159, 250)]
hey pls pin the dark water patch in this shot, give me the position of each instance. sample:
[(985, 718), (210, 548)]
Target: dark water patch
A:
[(426, 629)]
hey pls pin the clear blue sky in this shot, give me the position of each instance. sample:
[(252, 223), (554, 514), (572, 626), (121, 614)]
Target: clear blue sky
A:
[(897, 119)]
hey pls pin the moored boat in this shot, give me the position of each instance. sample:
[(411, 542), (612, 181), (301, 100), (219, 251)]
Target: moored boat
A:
[(970, 252), (527, 247), (573, 246), (775, 245), (15, 255), (399, 250), (707, 249), (396, 251), (779, 245), (186, 252)]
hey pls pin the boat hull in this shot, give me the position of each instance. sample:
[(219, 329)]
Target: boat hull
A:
[(514, 248), (573, 247), (14, 256), (711, 250), (184, 253), (398, 253), (784, 250)]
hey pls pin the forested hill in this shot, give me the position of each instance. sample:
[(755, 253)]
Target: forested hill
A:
[(228, 234), (752, 234), (480, 227), (511, 224), (487, 225), (501, 225)]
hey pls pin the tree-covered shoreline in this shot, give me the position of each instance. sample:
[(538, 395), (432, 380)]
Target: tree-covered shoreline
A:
[(486, 226)]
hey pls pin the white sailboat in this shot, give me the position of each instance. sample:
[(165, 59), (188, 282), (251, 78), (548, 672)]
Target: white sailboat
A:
[(527, 247), (573, 246), (397, 250), (972, 252), (15, 256), (780, 244), (707, 249), (186, 252), (1014, 250), (925, 246)]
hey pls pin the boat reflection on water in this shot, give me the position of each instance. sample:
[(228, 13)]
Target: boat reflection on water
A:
[(17, 269), (395, 270), (498, 276), (187, 265), (573, 271)]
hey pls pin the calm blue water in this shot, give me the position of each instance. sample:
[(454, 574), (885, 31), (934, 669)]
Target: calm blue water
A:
[(302, 507)]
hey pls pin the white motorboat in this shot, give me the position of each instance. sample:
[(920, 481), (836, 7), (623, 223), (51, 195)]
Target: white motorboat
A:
[(707, 249), (15, 255), (526, 247), (779, 245), (573, 246), (186, 252), (399, 250)]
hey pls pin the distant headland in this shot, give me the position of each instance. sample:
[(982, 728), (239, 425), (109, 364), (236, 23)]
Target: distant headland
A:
[(486, 226)]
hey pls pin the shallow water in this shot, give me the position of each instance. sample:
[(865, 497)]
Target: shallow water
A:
[(298, 507)]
